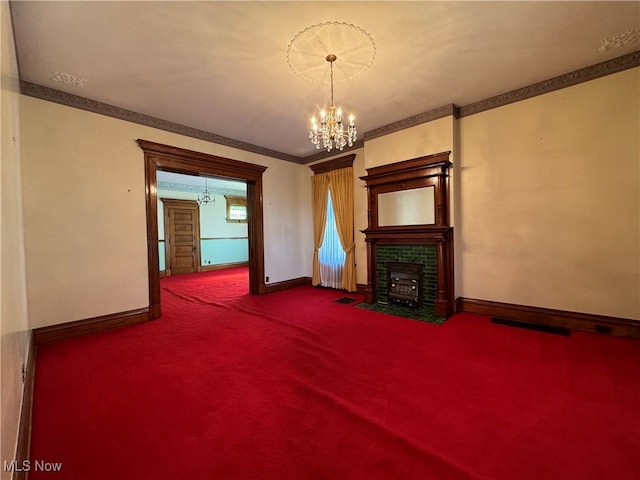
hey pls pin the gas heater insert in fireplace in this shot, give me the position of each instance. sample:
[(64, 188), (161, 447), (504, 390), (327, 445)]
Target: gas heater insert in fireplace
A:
[(404, 284)]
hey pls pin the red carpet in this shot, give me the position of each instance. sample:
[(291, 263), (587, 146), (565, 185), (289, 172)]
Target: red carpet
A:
[(292, 385)]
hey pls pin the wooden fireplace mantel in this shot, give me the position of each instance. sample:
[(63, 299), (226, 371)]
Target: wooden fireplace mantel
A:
[(429, 171)]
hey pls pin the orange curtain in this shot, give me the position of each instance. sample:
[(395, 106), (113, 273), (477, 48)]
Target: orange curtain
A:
[(320, 192), (341, 184)]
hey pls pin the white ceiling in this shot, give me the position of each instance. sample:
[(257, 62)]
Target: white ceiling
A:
[(222, 67)]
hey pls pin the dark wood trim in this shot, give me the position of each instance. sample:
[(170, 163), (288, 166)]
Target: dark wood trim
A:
[(222, 266), (163, 274), (322, 154), (428, 171), (335, 164), (361, 288), (426, 166), (286, 284), (586, 322), (23, 449), (102, 323), (179, 160), (167, 205)]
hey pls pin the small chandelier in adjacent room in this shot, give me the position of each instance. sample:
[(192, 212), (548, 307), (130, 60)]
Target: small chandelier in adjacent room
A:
[(206, 199), (331, 131)]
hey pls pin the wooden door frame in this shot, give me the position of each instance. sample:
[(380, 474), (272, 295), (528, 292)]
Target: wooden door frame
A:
[(169, 203), (179, 160)]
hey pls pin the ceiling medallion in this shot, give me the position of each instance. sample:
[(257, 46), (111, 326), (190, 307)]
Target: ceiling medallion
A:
[(352, 44)]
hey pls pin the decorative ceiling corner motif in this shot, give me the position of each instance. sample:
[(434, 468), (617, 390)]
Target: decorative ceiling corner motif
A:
[(353, 45), (619, 40), (68, 79)]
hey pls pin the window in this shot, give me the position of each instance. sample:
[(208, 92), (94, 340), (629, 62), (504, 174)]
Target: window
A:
[(236, 209), (331, 255)]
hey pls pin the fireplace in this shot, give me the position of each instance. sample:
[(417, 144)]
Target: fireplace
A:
[(419, 234), (404, 284)]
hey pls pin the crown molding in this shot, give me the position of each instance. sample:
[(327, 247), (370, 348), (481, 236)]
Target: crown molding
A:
[(592, 72), (430, 116), (586, 74), (184, 187), (82, 103)]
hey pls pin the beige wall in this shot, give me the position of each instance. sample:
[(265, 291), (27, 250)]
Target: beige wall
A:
[(425, 139), (84, 203), (545, 196), (13, 319), (98, 231), (549, 204)]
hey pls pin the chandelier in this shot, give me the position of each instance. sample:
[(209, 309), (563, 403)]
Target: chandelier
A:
[(206, 199), (331, 131)]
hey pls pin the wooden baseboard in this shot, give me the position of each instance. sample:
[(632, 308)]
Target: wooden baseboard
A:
[(62, 331), (209, 268), (279, 286), (621, 327), (361, 288), (23, 449)]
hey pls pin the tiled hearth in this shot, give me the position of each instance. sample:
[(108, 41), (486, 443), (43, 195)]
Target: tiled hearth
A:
[(424, 255)]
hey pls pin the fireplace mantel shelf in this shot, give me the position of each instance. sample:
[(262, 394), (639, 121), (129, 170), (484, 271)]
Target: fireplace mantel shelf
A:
[(429, 171)]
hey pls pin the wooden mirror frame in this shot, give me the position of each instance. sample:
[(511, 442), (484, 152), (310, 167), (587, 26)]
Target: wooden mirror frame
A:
[(431, 170), (179, 160)]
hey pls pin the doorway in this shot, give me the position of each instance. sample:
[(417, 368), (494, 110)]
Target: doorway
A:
[(181, 236), (179, 160)]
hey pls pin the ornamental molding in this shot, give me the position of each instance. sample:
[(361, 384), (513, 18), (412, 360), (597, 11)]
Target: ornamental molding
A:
[(615, 65), (82, 103), (184, 187), (425, 117), (352, 44), (562, 81), (620, 40)]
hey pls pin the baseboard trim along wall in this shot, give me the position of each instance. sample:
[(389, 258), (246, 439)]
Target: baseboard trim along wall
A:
[(23, 448), (294, 282), (621, 327), (61, 331)]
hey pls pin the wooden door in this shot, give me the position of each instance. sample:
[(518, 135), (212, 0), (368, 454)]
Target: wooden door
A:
[(182, 236)]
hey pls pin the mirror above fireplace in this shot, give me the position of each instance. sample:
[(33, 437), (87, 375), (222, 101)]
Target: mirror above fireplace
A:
[(407, 207)]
